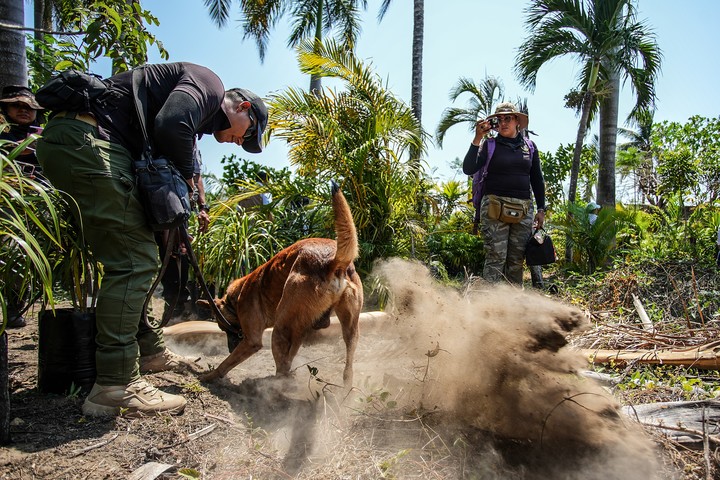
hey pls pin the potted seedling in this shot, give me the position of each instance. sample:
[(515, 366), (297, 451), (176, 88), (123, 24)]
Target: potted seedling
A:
[(66, 349)]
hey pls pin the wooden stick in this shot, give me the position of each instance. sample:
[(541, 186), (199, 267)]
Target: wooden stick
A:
[(93, 447), (195, 435)]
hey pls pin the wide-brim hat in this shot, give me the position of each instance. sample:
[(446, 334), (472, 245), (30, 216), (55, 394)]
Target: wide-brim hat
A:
[(507, 108), (260, 113), (17, 93)]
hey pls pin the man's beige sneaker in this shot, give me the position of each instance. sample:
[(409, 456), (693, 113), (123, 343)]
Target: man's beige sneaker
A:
[(167, 360), (139, 398)]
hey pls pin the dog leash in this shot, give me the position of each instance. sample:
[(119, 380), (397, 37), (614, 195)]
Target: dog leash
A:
[(176, 237), (185, 237), (170, 246)]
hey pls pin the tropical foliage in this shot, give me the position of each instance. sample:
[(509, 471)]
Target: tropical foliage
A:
[(671, 157), (310, 20), (41, 247), (114, 29), (483, 97), (592, 242), (556, 167), (358, 135)]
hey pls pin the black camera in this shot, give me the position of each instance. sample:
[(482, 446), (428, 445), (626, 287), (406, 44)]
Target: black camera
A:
[(493, 121)]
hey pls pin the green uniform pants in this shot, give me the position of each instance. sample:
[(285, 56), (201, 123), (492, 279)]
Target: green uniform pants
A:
[(505, 243), (98, 175)]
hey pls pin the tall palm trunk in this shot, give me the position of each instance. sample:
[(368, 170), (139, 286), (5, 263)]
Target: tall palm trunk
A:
[(315, 81), (417, 53), (587, 103), (13, 69), (608, 141), (579, 141), (12, 72), (39, 18), (416, 78), (575, 167)]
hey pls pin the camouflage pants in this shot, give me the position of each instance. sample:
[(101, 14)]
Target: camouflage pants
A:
[(505, 243)]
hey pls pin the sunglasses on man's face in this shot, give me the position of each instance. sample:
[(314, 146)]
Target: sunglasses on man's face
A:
[(251, 130), (506, 118)]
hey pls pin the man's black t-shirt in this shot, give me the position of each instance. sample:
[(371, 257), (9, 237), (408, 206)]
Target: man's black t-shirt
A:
[(184, 100)]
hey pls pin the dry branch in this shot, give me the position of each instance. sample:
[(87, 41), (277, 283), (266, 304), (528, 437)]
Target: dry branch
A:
[(93, 447)]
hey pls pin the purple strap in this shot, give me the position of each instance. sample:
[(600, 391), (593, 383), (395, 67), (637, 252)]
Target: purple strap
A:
[(478, 178)]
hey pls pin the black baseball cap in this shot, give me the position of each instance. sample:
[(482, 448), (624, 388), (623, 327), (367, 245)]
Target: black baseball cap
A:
[(260, 115)]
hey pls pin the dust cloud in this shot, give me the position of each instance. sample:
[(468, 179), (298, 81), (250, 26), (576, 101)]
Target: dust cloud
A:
[(496, 362), (488, 371)]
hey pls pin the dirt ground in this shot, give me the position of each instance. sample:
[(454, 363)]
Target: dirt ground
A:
[(453, 385)]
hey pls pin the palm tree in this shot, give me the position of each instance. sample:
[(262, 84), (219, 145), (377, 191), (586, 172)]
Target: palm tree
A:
[(358, 134), (30, 227), (417, 52), (484, 96), (611, 45), (311, 19)]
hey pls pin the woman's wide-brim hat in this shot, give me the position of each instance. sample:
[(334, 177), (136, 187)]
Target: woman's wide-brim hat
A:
[(507, 108), (16, 93)]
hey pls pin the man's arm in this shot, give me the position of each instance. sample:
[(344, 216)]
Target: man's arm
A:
[(174, 131)]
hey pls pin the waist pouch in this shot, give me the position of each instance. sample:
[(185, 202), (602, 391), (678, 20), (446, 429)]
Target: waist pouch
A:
[(505, 210), (163, 193)]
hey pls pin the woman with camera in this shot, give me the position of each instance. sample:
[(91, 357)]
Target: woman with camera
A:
[(510, 166)]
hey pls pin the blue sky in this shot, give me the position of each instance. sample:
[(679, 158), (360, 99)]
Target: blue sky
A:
[(463, 38)]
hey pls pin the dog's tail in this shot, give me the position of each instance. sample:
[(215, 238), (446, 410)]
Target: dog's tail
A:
[(347, 242)]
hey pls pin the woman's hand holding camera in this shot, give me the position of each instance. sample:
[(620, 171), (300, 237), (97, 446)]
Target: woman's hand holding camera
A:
[(482, 128)]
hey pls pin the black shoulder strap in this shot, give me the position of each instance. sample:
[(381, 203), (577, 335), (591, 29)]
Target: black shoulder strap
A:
[(140, 98)]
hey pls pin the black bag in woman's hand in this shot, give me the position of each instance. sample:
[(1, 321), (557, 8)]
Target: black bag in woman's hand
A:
[(540, 249)]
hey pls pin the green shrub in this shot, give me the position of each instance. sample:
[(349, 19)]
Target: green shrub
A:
[(460, 253)]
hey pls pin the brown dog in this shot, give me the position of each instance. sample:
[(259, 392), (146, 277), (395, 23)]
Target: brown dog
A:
[(295, 291)]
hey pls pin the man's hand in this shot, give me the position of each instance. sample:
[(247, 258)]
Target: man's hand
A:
[(203, 221)]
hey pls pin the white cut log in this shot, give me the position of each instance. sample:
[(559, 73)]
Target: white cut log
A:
[(704, 356), (646, 322), (185, 331)]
